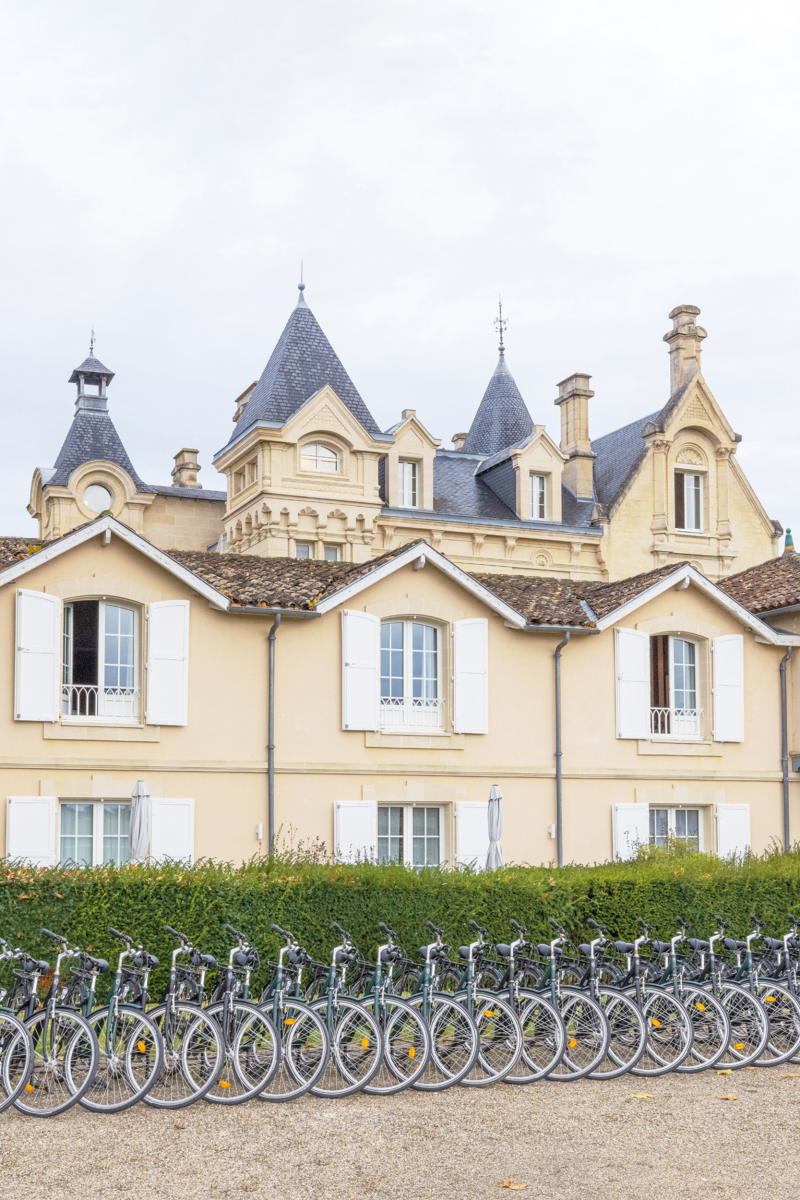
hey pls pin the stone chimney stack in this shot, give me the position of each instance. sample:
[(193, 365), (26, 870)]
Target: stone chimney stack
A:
[(184, 473), (458, 440), (684, 345), (574, 395)]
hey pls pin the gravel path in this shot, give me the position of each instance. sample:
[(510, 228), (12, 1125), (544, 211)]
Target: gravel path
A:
[(565, 1141)]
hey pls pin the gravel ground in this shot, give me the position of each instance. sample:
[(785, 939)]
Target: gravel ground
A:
[(563, 1140)]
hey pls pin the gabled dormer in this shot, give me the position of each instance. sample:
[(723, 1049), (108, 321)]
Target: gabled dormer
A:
[(527, 477), (408, 467)]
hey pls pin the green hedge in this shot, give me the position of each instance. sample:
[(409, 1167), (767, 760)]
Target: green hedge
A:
[(305, 896)]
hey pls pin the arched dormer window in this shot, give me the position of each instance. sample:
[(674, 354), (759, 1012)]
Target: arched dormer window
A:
[(316, 457)]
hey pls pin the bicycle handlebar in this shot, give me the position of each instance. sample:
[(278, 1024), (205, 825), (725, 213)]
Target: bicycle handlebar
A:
[(56, 937), (180, 936), (435, 928), (121, 937), (234, 932)]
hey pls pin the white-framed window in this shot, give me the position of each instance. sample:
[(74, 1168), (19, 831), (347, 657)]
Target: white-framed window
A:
[(676, 825), (316, 457), (251, 471), (332, 554), (92, 832), (674, 698), (97, 498), (688, 501), (410, 675), (411, 834), (100, 661), (538, 497), (407, 484), (303, 550)]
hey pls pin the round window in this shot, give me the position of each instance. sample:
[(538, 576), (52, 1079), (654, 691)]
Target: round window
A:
[(97, 498)]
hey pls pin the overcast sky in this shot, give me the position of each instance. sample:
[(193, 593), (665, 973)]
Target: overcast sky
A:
[(164, 167)]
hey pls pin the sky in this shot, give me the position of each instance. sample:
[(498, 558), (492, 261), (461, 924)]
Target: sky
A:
[(165, 167)]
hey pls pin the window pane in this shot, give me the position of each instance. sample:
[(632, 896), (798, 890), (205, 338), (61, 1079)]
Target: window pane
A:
[(692, 823), (302, 550), (680, 823), (390, 834), (424, 664), (116, 823), (77, 829), (659, 826), (68, 819), (419, 822), (392, 660), (318, 458), (112, 618), (331, 553)]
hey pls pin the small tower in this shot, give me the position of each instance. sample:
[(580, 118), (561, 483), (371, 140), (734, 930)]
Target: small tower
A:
[(91, 374)]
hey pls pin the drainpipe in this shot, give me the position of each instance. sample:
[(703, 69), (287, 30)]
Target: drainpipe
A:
[(785, 749), (559, 824), (271, 738)]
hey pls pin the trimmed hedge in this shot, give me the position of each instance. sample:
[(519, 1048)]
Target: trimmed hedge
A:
[(305, 896)]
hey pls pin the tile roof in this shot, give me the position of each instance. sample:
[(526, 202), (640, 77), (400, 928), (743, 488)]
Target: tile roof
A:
[(502, 418), (619, 456), (16, 549), (302, 363), (458, 492), (770, 585), (92, 435), (90, 367), (186, 493)]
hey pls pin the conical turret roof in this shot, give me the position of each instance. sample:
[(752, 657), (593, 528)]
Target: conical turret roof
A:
[(502, 418)]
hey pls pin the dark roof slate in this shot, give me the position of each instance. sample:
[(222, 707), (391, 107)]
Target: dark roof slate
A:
[(302, 363), (458, 492), (619, 455), (772, 584), (186, 493), (502, 418), (91, 436), (90, 367)]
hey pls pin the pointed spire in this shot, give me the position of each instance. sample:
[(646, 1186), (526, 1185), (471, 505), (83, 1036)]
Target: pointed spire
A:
[(500, 325), (502, 418), (301, 287)]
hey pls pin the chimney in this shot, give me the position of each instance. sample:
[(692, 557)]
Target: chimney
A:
[(684, 345), (574, 395), (409, 412), (184, 473), (458, 440), (241, 402)]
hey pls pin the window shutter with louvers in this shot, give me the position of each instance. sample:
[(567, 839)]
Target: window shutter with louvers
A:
[(471, 676), (168, 663), (631, 826), (729, 688), (38, 657), (633, 683), (31, 829), (355, 829), (172, 835), (472, 833), (361, 680), (733, 829)]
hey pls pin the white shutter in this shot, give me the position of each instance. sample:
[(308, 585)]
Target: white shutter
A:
[(38, 658), (471, 676), (729, 688), (168, 663), (733, 829), (31, 829), (631, 828), (472, 832), (633, 683), (172, 835), (361, 674), (355, 829)]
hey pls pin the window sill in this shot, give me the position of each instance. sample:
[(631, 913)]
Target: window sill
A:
[(666, 745), (692, 532), (427, 739), (91, 731)]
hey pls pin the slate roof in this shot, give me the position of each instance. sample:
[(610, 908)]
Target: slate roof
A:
[(619, 456), (770, 585), (91, 436), (502, 418), (89, 368), (302, 363), (186, 493), (458, 492)]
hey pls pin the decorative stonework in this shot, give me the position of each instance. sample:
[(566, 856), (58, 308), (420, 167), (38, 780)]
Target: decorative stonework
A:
[(697, 411), (325, 416), (692, 456), (542, 559)]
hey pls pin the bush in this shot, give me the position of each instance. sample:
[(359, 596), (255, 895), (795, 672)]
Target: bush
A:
[(305, 896)]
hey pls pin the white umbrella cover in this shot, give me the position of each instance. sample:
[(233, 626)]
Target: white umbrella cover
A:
[(495, 858), (141, 823)]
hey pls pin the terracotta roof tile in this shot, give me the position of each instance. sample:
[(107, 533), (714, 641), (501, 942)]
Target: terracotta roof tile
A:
[(772, 584), (15, 549)]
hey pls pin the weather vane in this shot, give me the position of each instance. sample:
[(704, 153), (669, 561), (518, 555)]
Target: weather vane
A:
[(91, 345), (301, 286), (500, 324)]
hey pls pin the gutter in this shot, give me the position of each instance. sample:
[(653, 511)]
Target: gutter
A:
[(785, 749), (577, 630), (559, 781), (271, 739), (255, 610)]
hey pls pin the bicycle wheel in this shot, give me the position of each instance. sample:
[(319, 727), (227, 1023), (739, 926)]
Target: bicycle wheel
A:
[(406, 1046), (250, 1052), (588, 1035), (356, 1047), (669, 1031), (783, 1011), (712, 1030), (65, 1058), (16, 1058), (192, 1055), (500, 1044), (305, 1050), (627, 1034), (131, 1057), (749, 1025), (455, 1042), (544, 1037), (406, 982)]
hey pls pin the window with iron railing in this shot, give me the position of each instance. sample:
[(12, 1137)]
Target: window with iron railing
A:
[(99, 674), (674, 708), (410, 676)]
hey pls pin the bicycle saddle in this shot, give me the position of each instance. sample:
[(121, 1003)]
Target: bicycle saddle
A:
[(503, 950), (585, 949), (774, 943), (624, 947), (463, 951), (697, 944), (388, 955), (342, 957), (732, 944), (100, 965), (544, 950), (661, 947)]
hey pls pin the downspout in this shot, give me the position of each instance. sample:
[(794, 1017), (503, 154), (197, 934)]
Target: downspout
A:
[(785, 749), (271, 738), (559, 827)]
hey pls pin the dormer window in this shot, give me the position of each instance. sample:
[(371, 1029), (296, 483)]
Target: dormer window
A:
[(538, 497), (315, 457), (688, 501), (407, 490), (97, 498)]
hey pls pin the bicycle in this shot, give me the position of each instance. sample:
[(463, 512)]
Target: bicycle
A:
[(782, 1007), (193, 1056), (627, 1026), (544, 1034), (455, 1038), (588, 1033), (670, 1031), (16, 1046), (500, 1032)]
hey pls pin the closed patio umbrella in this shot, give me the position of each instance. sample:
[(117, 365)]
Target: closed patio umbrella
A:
[(495, 858), (141, 823)]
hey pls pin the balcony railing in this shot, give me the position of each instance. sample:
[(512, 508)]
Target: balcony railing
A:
[(92, 702), (410, 712), (675, 722)]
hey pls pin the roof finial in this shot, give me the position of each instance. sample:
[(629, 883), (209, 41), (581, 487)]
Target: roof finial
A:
[(788, 545), (301, 287), (91, 345), (500, 325)]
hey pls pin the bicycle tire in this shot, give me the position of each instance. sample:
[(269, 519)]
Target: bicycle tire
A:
[(627, 1034), (305, 1050), (749, 1025), (588, 1035), (64, 1073), (251, 1053), (356, 1048), (544, 1037), (783, 1012), (669, 1032), (126, 1073), (455, 1042), (406, 1046), (501, 1039), (712, 1029), (16, 1058), (192, 1055)]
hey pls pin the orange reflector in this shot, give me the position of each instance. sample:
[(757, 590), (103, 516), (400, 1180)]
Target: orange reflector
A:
[(141, 1046), (653, 1021), (289, 1021), (224, 1083), (702, 1007), (488, 1012), (411, 1052), (28, 1087), (572, 1043), (770, 999), (738, 1045), (365, 1042)]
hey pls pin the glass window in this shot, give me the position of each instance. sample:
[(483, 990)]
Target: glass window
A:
[(684, 675), (318, 458), (116, 823), (99, 675), (426, 837), (97, 498), (390, 834), (77, 834), (676, 825), (424, 671), (424, 849), (392, 659), (407, 484), (538, 497), (693, 501), (410, 685), (303, 550), (331, 554), (119, 635)]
